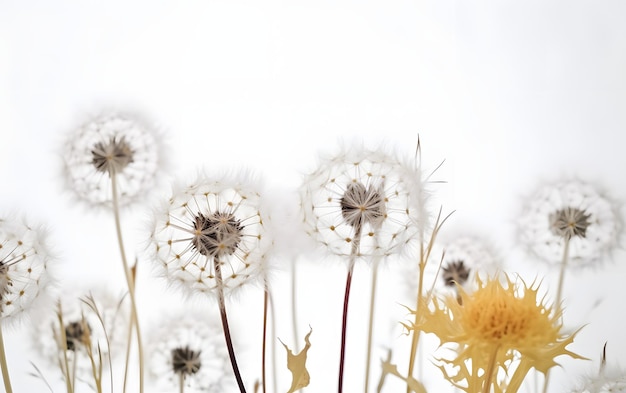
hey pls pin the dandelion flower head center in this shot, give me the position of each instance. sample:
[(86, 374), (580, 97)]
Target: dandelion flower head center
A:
[(455, 273), (569, 222), (77, 332), (216, 234), (494, 315), (185, 361), (360, 205), (113, 156)]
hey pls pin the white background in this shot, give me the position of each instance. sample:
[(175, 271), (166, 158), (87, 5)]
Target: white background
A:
[(511, 94)]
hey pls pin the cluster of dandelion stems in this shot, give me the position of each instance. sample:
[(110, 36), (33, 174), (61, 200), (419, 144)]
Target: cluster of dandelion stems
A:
[(75, 336)]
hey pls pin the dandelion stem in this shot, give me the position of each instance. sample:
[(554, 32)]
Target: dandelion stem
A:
[(344, 320), (130, 280), (227, 337), (294, 314), (264, 342), (559, 296), (181, 382), (3, 363), (491, 368), (273, 334), (370, 327)]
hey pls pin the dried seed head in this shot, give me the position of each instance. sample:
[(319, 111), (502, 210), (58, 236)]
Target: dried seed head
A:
[(24, 259), (77, 333), (112, 156), (113, 145), (212, 223), (455, 273), (186, 361), (573, 212), (569, 222), (216, 234), (360, 195), (361, 205), (189, 345)]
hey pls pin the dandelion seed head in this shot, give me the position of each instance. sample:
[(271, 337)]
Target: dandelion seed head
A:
[(84, 329), (359, 195), (112, 145), (574, 211), (189, 344), (212, 221), (24, 267)]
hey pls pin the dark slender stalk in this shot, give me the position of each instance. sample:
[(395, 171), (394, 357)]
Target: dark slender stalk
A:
[(227, 337), (265, 304), (344, 319)]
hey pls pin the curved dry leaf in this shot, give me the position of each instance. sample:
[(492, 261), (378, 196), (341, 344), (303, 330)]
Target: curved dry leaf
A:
[(297, 365)]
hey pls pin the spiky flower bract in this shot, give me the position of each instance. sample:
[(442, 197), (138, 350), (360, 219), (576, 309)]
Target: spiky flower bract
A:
[(359, 195), (94, 328), (213, 221), (188, 347), (575, 212), (501, 331), (112, 145), (24, 266)]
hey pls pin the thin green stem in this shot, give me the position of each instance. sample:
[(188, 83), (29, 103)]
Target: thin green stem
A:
[(227, 336), (130, 280), (4, 365), (559, 295)]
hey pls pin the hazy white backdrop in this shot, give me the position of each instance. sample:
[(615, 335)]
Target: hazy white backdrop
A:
[(510, 93)]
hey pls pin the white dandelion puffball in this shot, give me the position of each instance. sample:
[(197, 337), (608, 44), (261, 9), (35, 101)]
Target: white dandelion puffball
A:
[(608, 380), (189, 348), (112, 145), (24, 259), (573, 211), (94, 320), (211, 227), (358, 203)]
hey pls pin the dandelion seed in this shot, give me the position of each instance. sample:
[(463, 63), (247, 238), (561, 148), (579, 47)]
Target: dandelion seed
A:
[(573, 212), (112, 145)]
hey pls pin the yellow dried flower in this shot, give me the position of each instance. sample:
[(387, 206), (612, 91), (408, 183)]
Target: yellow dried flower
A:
[(501, 330)]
